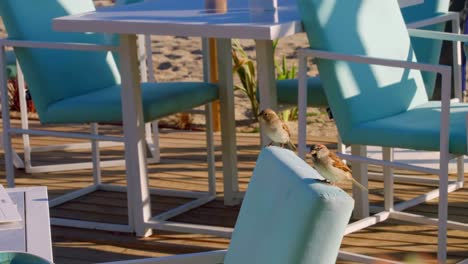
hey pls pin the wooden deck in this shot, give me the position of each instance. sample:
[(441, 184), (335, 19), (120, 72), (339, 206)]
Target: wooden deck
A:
[(183, 167)]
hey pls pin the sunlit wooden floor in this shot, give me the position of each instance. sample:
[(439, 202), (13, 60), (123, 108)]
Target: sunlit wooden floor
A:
[(183, 167)]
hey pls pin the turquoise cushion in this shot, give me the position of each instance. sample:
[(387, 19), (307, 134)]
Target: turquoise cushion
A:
[(287, 216), (287, 92), (427, 50), (21, 258), (418, 128), (358, 93), (53, 75), (159, 99)]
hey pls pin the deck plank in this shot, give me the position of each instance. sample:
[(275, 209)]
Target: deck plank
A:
[(183, 167)]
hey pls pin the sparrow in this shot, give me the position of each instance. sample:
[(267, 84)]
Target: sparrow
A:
[(275, 128), (330, 166)]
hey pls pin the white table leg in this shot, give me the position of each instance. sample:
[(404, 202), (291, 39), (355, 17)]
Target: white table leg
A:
[(139, 206), (361, 205), (228, 124), (266, 78)]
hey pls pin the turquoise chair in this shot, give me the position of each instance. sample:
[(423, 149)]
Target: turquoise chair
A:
[(432, 14), (21, 258), (287, 216), (375, 89), (76, 86), (152, 138)]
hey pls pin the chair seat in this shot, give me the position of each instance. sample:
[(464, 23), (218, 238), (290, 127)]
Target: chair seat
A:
[(288, 89), (418, 129), (159, 99)]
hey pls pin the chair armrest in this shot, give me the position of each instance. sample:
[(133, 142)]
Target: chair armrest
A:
[(210, 257), (444, 70), (450, 16), (420, 33), (56, 45)]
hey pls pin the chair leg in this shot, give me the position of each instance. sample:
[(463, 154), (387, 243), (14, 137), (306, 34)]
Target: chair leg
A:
[(152, 140), (443, 208), (302, 108), (96, 156), (24, 117), (461, 170), (7, 147), (210, 150), (361, 209), (387, 154)]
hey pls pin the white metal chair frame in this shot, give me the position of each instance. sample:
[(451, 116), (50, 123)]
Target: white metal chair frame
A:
[(160, 220), (360, 172), (152, 132), (360, 161)]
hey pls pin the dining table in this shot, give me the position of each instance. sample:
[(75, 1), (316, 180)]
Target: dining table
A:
[(189, 18)]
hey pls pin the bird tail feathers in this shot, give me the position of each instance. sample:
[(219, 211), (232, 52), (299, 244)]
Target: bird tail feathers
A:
[(359, 185), (292, 146)]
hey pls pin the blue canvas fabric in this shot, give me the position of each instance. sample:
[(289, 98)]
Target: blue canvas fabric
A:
[(427, 50), (359, 93), (64, 84), (288, 89), (287, 216), (21, 258), (376, 105)]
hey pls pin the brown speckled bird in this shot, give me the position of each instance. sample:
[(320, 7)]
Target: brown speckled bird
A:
[(330, 166), (275, 128)]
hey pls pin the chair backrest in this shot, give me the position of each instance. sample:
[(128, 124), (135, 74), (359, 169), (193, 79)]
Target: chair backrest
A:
[(53, 75), (359, 93), (427, 50), (287, 216)]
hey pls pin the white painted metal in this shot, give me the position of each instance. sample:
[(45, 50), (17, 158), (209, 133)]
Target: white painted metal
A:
[(266, 79), (64, 134), (56, 45), (155, 191), (228, 126), (7, 147), (388, 179), (359, 258), (190, 228), (96, 160), (135, 153), (361, 206), (302, 107), (72, 195), (90, 225), (427, 220), (210, 257), (434, 20), (33, 233), (183, 208)]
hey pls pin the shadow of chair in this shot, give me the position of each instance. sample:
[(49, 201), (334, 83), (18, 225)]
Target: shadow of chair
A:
[(74, 79), (287, 216), (378, 96)]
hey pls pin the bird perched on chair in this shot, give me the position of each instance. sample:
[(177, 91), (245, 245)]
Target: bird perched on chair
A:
[(275, 128), (330, 166)]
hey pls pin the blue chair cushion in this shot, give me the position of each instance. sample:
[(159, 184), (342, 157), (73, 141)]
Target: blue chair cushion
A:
[(287, 215), (418, 128), (287, 92), (21, 258), (159, 99)]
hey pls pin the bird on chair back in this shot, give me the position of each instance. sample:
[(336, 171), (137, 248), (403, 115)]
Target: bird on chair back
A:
[(275, 128), (330, 166)]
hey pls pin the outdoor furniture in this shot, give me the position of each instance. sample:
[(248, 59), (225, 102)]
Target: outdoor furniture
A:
[(376, 91), (287, 217), (189, 18), (27, 162), (32, 234), (93, 94)]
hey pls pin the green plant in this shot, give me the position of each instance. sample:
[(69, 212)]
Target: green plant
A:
[(283, 72), (245, 69)]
